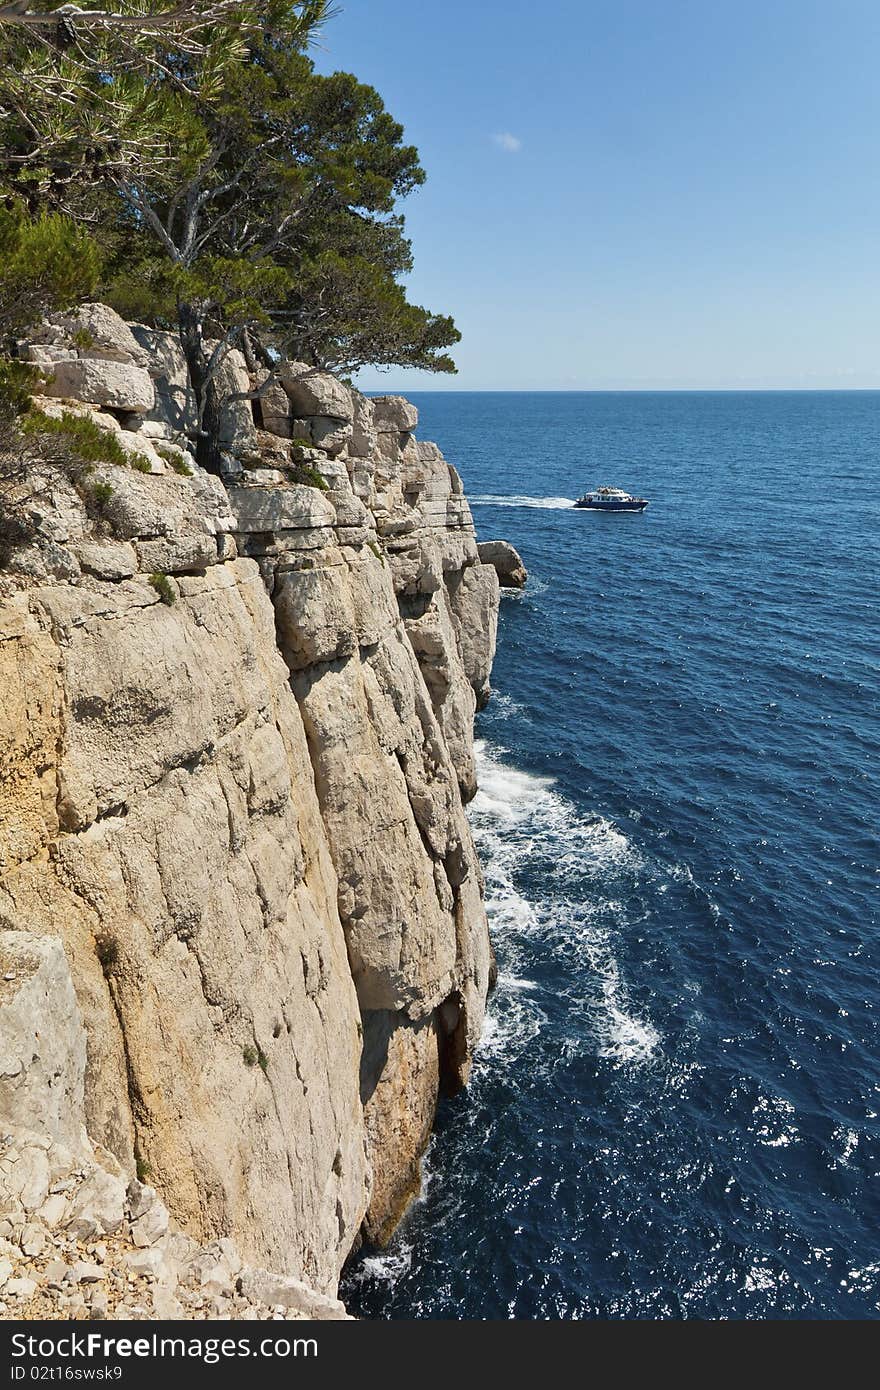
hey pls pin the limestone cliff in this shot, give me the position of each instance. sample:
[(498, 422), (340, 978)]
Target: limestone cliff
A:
[(236, 746)]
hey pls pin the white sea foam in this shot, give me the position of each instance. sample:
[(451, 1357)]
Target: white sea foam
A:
[(511, 1024), (386, 1268), (389, 1266), (504, 706), (490, 499), (522, 823), (626, 1038)]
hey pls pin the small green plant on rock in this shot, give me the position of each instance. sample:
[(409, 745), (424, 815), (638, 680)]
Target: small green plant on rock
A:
[(164, 588), (140, 463), (255, 1057), (83, 339), (307, 474), (107, 951), (174, 460), (96, 498), (18, 382)]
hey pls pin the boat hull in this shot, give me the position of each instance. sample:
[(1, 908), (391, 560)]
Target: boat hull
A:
[(610, 506)]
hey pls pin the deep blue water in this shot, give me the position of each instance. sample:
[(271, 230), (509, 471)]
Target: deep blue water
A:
[(674, 1112)]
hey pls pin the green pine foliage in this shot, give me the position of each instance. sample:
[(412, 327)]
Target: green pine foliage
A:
[(46, 262), (18, 382), (101, 495), (80, 434)]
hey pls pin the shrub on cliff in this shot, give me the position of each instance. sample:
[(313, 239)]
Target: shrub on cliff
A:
[(37, 452), (30, 466), (164, 588), (46, 262)]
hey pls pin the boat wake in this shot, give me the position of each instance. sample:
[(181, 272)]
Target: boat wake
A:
[(490, 499)]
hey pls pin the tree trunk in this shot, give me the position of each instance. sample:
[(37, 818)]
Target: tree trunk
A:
[(208, 399)]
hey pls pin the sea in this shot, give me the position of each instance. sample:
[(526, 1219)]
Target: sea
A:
[(675, 1108)]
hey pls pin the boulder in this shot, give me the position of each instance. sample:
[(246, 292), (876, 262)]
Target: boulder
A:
[(141, 507), (150, 1227), (212, 500), (107, 559), (141, 1198), (20, 1288), (330, 434), (362, 444), (315, 616), (45, 355), (394, 413), (315, 393), (174, 409), (429, 452), (273, 408), (101, 334), (33, 1240), (238, 430), (279, 1290), (144, 1264), (512, 573), (177, 554), (99, 1204), (118, 385)]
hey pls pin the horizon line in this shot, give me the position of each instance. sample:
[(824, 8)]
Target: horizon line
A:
[(627, 390)]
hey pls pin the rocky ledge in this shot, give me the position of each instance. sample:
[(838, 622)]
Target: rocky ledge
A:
[(236, 754), (506, 561)]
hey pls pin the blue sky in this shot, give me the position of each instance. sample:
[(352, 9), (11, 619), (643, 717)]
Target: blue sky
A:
[(637, 193)]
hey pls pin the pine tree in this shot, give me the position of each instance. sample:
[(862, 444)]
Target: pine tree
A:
[(250, 200)]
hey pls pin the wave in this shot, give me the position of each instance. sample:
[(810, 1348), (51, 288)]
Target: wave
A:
[(491, 499), (550, 872), (504, 707), (387, 1268)]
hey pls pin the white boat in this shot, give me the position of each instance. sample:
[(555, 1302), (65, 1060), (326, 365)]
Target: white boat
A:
[(611, 499)]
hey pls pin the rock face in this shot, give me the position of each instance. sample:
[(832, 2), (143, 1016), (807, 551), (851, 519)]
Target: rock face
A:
[(236, 750), (78, 1238)]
